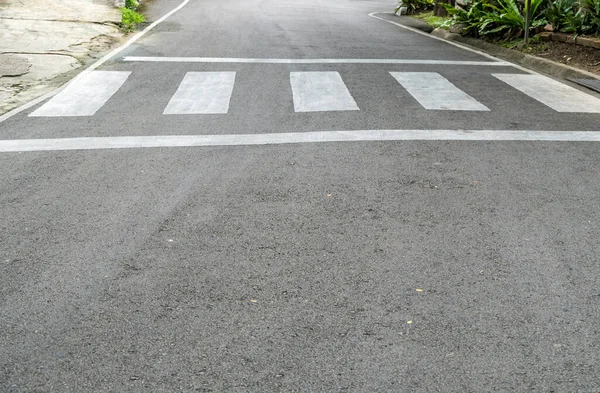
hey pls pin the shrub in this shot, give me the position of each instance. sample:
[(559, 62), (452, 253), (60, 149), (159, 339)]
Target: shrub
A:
[(505, 17), (575, 16), (413, 6), (589, 12), (130, 19), (132, 4)]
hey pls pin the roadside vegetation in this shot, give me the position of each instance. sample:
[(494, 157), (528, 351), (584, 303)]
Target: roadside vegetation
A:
[(130, 17), (504, 20)]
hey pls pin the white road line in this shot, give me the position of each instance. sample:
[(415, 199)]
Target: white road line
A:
[(311, 61), (202, 93), (88, 93), (556, 95), (95, 65), (130, 142), (433, 91), (320, 91)]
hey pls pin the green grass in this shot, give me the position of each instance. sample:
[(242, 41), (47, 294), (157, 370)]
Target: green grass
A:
[(130, 19), (432, 20), (535, 45)]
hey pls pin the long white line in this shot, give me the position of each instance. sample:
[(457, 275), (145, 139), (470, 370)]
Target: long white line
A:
[(95, 65), (242, 60), (464, 47), (130, 142)]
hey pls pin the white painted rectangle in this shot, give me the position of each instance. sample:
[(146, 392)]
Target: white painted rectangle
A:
[(556, 95), (320, 91), (84, 95), (202, 93), (433, 91)]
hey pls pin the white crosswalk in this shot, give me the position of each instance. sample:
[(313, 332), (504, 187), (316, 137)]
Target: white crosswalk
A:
[(85, 96), (433, 91), (556, 95), (203, 93), (320, 92)]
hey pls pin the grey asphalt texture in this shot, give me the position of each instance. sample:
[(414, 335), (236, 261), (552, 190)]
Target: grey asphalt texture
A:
[(295, 268)]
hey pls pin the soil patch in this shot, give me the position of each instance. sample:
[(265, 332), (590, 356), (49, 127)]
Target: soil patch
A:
[(582, 57)]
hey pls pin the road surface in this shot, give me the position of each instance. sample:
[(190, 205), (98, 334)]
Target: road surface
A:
[(297, 195)]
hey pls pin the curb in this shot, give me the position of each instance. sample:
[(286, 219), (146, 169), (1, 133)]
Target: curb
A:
[(538, 64), (535, 63)]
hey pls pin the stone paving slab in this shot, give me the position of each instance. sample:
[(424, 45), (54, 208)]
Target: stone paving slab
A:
[(60, 10), (41, 41), (13, 65), (35, 36)]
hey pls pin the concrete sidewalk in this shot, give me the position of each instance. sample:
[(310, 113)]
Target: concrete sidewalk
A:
[(43, 41)]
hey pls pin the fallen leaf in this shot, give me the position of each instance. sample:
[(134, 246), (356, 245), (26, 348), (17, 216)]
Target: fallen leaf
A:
[(253, 301), (329, 195), (419, 290)]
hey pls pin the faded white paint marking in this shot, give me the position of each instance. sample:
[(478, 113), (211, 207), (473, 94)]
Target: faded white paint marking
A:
[(202, 93), (556, 95), (320, 91), (129, 142), (433, 91), (310, 61), (85, 95)]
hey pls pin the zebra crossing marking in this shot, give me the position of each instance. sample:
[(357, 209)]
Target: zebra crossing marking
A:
[(556, 95), (85, 95), (435, 92), (202, 93), (320, 91)]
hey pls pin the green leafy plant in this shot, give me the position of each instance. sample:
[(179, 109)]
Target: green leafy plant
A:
[(414, 6), (574, 16), (471, 18), (505, 17), (589, 12), (560, 13), (132, 4), (508, 16), (130, 19)]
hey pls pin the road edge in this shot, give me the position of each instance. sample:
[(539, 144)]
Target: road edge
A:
[(522, 61), (536, 63)]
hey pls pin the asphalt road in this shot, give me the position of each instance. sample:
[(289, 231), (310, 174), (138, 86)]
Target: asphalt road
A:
[(364, 266)]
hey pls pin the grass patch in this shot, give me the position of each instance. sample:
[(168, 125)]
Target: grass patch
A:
[(130, 19), (535, 45), (433, 21)]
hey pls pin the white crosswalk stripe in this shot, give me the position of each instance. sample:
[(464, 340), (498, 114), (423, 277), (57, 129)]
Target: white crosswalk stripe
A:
[(433, 91), (556, 95), (85, 95), (202, 93), (320, 91)]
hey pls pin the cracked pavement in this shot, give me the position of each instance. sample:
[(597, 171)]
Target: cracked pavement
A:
[(42, 42)]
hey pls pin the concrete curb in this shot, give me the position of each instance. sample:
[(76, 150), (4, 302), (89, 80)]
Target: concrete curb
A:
[(531, 62), (535, 63)]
